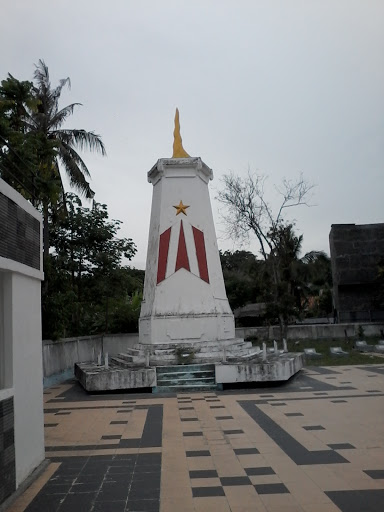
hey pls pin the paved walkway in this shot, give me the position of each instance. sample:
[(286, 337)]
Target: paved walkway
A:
[(315, 444)]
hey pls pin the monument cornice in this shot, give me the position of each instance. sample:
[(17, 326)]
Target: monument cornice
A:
[(180, 167)]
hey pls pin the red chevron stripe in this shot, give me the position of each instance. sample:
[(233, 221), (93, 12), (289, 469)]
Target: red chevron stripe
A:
[(201, 254), (182, 255), (163, 255)]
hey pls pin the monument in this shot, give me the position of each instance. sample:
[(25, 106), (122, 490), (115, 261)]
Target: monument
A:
[(184, 294), (185, 315)]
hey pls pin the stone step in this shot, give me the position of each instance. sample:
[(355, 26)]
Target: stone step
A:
[(123, 363), (185, 375), (197, 344), (185, 368), (228, 348), (125, 357), (180, 389), (187, 382)]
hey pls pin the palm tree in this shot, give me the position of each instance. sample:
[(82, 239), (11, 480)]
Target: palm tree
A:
[(57, 147)]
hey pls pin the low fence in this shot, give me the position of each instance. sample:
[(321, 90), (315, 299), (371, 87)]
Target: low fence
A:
[(59, 357), (312, 332)]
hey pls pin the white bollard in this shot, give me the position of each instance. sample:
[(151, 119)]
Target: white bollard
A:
[(264, 351), (147, 357), (106, 361), (99, 359), (285, 347), (275, 348), (224, 355)]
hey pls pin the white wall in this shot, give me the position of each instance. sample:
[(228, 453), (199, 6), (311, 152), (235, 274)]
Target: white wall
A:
[(24, 318)]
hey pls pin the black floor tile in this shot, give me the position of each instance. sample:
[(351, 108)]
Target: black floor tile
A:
[(57, 488), (192, 434), (342, 446), (118, 422), (259, 471), (246, 451), (235, 480), (45, 502), (338, 401), (203, 473), (129, 443), (186, 408), (154, 459), (205, 492), (79, 502), (189, 419), (278, 403), (236, 431), (111, 437), (198, 453), (375, 474), (115, 494), (143, 506), (224, 417), (108, 506), (294, 414), (358, 501), (271, 489), (143, 492), (314, 427)]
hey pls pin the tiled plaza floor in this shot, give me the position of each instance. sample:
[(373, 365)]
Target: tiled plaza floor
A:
[(315, 444)]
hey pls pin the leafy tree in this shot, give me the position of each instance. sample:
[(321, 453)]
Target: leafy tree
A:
[(32, 126), (87, 260), (248, 212), (17, 146), (317, 273), (243, 277), (58, 147)]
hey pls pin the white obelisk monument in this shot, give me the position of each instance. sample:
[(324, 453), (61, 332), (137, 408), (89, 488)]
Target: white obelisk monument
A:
[(184, 295)]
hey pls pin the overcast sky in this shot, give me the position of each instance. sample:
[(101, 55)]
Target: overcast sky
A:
[(280, 86)]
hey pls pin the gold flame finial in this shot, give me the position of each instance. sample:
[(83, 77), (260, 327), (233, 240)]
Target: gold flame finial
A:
[(178, 150)]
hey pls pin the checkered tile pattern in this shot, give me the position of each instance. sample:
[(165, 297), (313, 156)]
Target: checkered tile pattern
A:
[(312, 445)]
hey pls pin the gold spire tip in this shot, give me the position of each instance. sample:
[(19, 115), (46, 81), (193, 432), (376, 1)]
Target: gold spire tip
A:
[(178, 150)]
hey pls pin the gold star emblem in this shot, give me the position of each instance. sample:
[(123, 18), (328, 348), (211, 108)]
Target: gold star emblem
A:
[(181, 208)]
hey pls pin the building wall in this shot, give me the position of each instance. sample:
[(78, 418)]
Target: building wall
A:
[(27, 374), (355, 254), (21, 375)]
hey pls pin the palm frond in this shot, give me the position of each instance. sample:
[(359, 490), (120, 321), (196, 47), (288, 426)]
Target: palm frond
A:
[(75, 156), (56, 93), (82, 140), (60, 116), (75, 174), (41, 75)]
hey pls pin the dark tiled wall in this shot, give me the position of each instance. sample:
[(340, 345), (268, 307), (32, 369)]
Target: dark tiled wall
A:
[(7, 450), (356, 251), (19, 234)]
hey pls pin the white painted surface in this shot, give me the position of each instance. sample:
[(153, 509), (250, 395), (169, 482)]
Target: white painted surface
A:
[(183, 307), (25, 319)]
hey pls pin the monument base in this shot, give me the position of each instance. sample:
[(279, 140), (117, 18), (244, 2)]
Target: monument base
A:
[(173, 378)]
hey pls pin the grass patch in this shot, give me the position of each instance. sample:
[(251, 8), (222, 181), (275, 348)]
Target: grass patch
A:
[(322, 346)]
